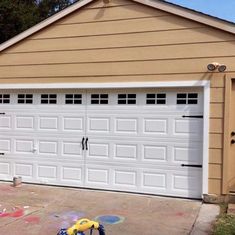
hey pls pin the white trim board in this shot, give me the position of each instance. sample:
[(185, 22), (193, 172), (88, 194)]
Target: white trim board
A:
[(161, 5), (205, 84), (199, 83)]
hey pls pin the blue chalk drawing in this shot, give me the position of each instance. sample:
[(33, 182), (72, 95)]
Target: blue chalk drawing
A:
[(110, 219)]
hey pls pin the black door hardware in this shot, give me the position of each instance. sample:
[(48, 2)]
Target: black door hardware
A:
[(192, 116), (189, 165), (83, 139), (233, 133), (2, 153), (86, 143), (232, 141), (2, 113)]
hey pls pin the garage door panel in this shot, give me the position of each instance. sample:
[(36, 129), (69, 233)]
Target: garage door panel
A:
[(187, 182), (188, 127), (98, 150), (24, 169), (5, 169), (125, 178), (125, 151), (24, 146), (155, 126), (73, 123), (126, 125), (72, 173), (187, 154), (5, 144), (48, 147), (97, 176), (25, 123), (47, 172), (154, 180), (71, 148), (48, 123), (137, 139), (98, 124), (154, 153), (5, 122)]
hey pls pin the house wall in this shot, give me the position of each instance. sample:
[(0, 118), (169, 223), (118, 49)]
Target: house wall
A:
[(128, 41)]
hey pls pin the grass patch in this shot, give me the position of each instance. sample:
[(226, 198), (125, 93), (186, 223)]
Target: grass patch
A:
[(225, 224)]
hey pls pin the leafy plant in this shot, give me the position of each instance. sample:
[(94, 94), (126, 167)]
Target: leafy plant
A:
[(225, 224)]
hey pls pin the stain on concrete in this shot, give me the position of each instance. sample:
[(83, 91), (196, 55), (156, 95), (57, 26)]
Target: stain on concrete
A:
[(179, 214), (32, 219), (110, 219), (7, 188)]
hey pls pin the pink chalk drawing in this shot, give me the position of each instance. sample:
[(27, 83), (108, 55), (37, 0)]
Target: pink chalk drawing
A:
[(15, 213)]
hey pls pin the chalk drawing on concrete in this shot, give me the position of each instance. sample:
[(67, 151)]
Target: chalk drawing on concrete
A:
[(110, 219)]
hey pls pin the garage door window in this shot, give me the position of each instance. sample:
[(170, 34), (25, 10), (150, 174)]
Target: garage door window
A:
[(126, 98), (25, 98), (4, 98), (187, 98), (48, 99), (99, 98), (73, 99), (159, 98)]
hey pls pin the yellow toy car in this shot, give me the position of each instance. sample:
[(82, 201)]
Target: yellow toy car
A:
[(81, 226)]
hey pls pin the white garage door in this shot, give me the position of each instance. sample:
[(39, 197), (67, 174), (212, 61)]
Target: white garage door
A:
[(147, 141)]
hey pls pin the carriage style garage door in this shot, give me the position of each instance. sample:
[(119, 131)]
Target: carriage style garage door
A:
[(136, 140)]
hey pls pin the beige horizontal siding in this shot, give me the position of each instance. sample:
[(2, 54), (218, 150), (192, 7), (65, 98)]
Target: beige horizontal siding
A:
[(217, 80), (174, 37), (216, 125), (215, 156), (215, 171), (124, 54), (113, 27), (216, 110), (216, 140), (111, 68), (217, 95), (110, 13), (113, 3), (215, 186)]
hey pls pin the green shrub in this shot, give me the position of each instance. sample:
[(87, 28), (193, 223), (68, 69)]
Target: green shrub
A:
[(225, 225)]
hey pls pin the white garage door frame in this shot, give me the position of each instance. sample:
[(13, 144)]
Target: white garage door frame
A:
[(205, 84)]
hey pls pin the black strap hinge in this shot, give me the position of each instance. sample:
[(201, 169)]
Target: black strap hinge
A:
[(192, 116), (191, 165)]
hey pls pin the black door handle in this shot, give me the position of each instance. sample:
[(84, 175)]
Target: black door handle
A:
[(86, 143), (83, 139), (233, 133), (232, 141)]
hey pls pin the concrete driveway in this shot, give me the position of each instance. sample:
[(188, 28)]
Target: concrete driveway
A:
[(43, 210)]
